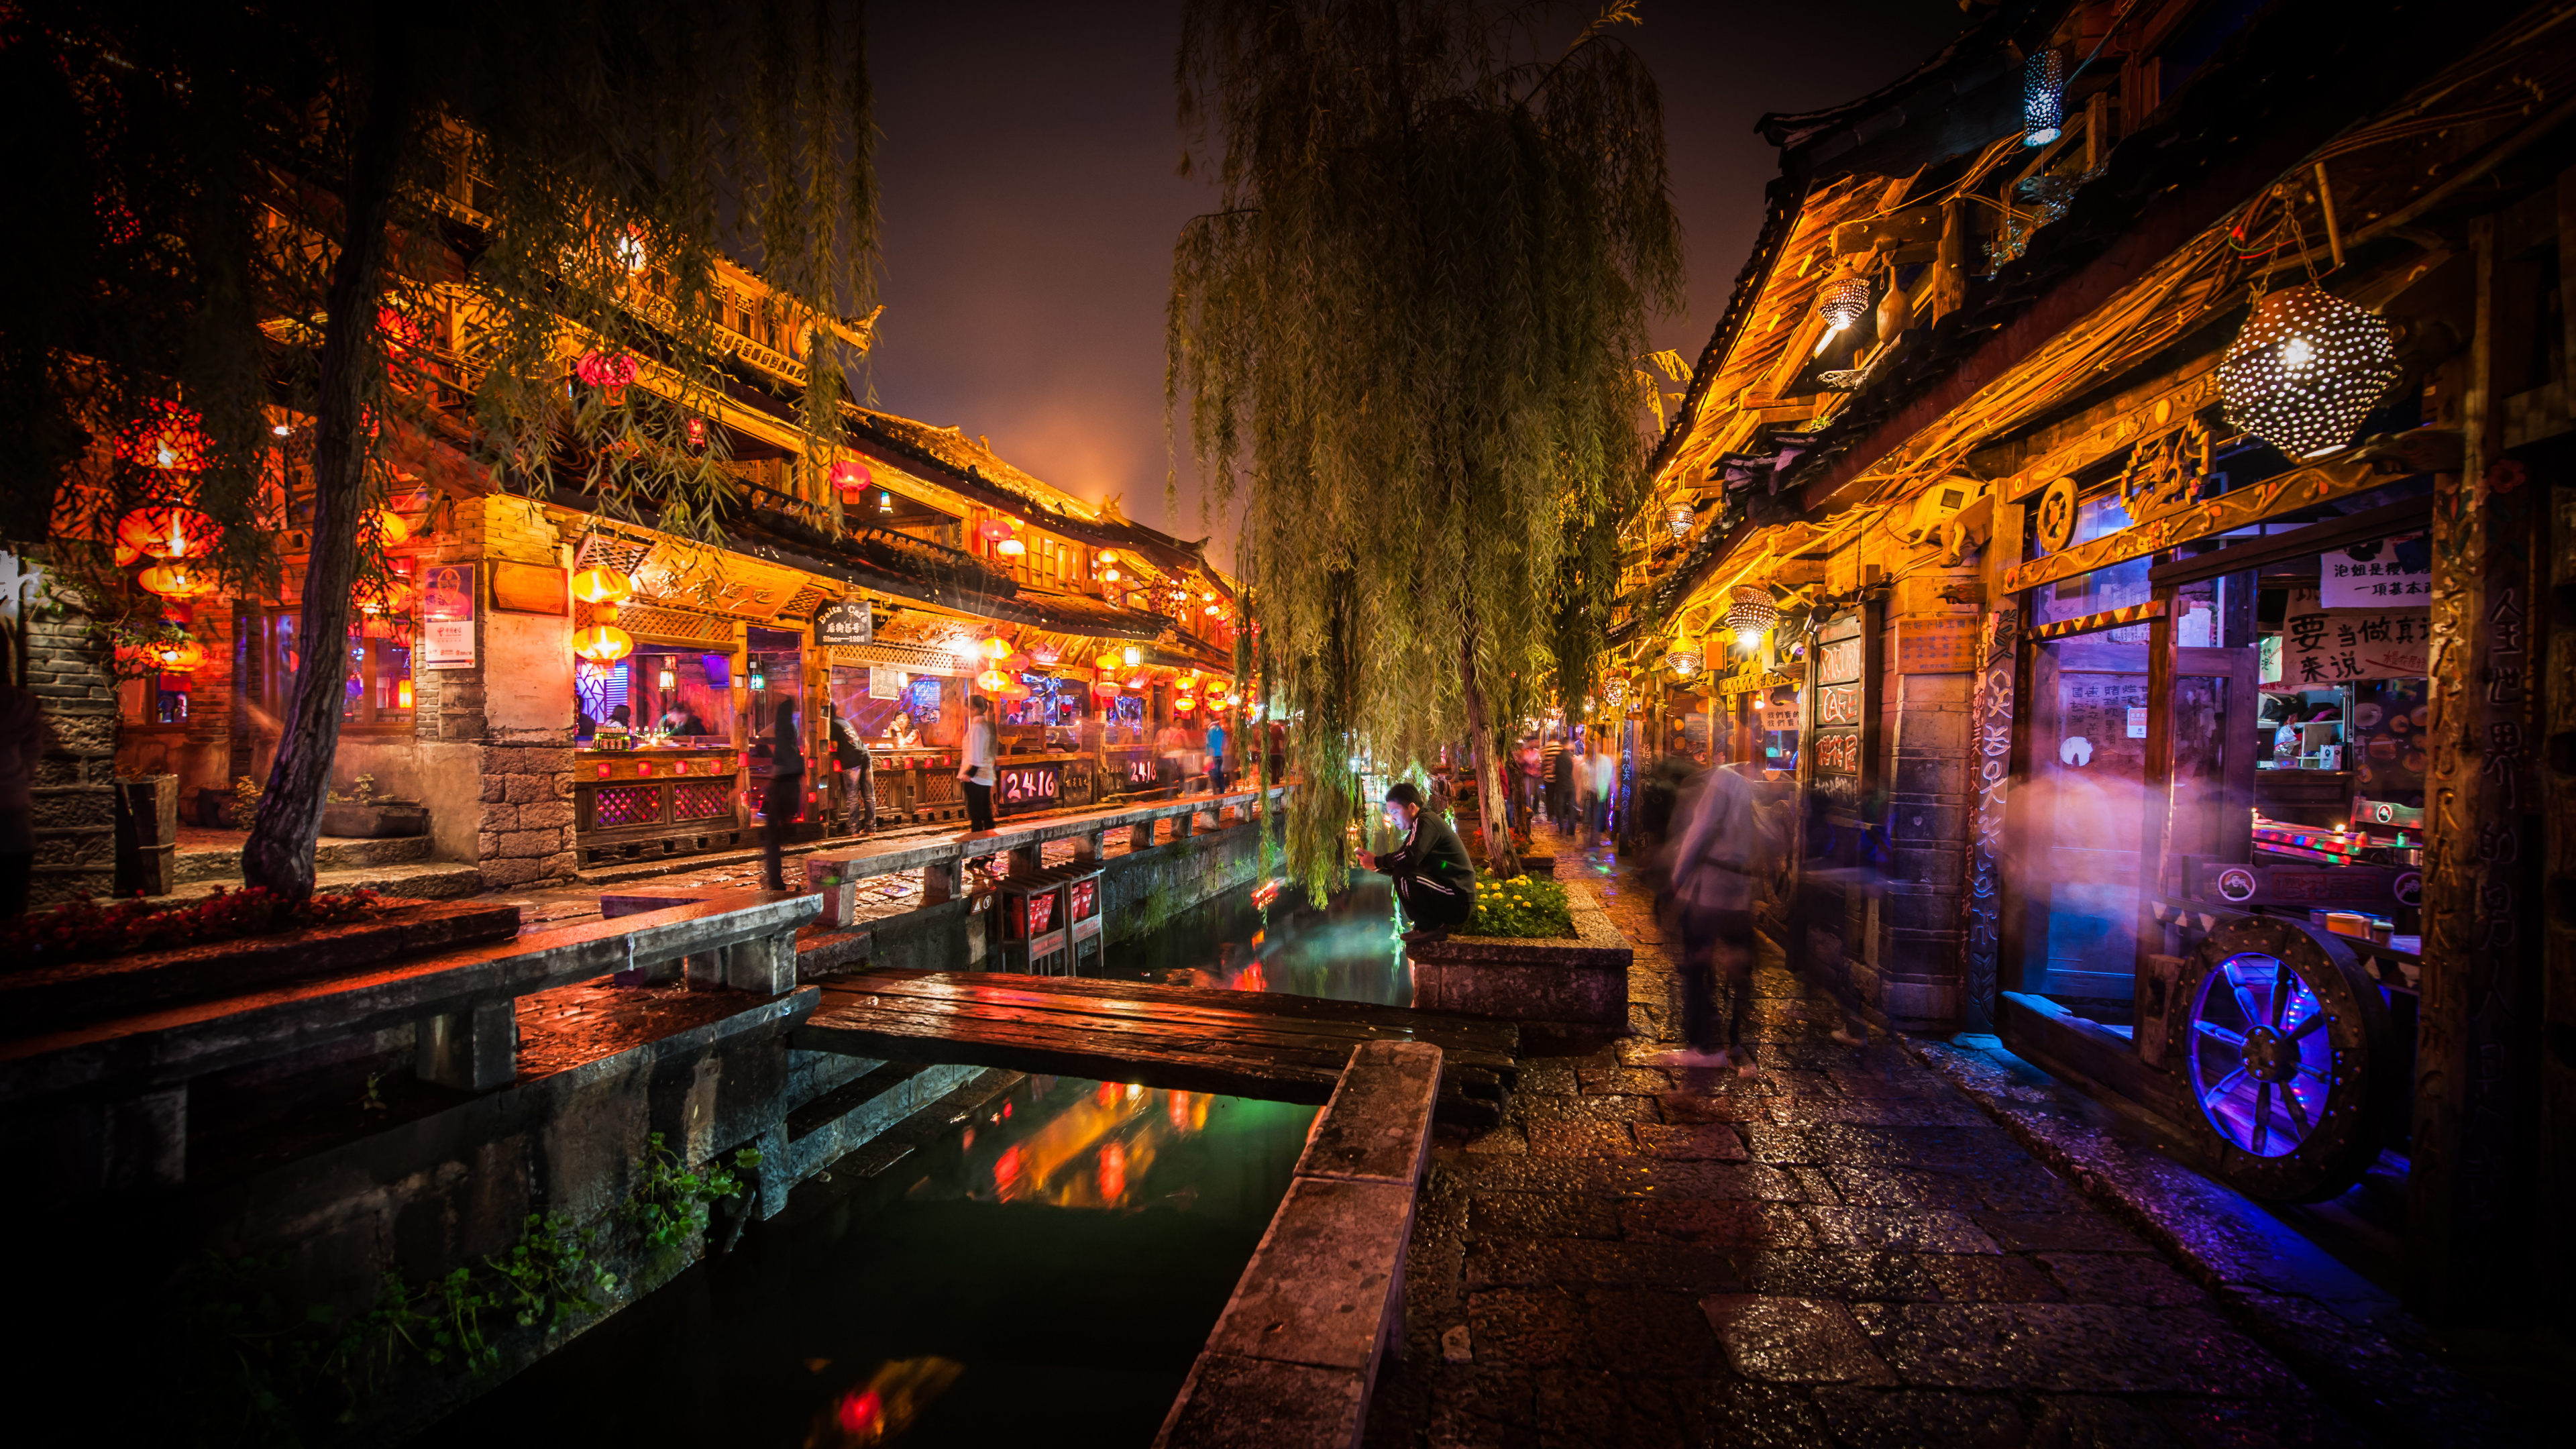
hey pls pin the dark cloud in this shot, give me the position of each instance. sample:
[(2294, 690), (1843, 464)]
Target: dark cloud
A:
[(1031, 198)]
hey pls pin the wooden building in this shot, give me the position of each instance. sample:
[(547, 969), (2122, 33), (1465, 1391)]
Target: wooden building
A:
[(2126, 505)]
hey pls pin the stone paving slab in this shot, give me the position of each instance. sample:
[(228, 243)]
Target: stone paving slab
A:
[(1846, 1248)]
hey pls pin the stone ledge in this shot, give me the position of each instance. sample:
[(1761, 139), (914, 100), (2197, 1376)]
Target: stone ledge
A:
[(1293, 1359), (1582, 981)]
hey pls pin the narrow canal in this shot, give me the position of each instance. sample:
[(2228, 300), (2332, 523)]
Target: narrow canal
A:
[(1042, 1269)]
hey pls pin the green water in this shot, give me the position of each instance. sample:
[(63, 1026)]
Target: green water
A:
[(1042, 1271)]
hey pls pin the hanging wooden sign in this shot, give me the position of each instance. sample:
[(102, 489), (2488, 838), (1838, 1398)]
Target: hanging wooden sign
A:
[(852, 621)]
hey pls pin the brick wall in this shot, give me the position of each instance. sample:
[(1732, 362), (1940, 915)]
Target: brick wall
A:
[(69, 672)]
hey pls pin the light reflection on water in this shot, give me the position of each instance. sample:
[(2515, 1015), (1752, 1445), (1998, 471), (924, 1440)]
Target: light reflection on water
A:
[(1044, 1269)]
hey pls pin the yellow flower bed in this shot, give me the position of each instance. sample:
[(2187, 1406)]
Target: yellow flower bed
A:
[(1522, 906)]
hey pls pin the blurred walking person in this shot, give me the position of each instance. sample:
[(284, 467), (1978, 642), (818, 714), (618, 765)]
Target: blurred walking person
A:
[(1712, 887), (783, 803), (858, 773), (975, 764)]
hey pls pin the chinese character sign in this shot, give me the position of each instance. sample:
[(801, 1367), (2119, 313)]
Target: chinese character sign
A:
[(2389, 574), (2321, 647)]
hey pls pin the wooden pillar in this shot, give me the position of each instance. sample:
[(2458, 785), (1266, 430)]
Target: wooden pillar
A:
[(1140, 836), (2472, 1188), (942, 881), (1091, 849)]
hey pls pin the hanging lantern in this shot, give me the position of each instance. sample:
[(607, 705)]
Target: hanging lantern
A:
[(994, 529), (391, 596), (697, 431), (629, 250), (992, 681), (665, 680), (1009, 545), (1133, 655), (610, 371), (1211, 609), (1752, 614), (997, 647), (1614, 691), (852, 478), (166, 436), (1183, 704), (164, 533), (389, 526), (402, 694), (1684, 663), (758, 678), (596, 585), (1679, 518), (182, 655), (1109, 576), (1843, 301), (2043, 98), (885, 501), (606, 644), (2307, 370), (1106, 663), (175, 581)]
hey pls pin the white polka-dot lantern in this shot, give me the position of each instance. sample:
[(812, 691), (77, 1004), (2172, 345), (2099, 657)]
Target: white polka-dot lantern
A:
[(2043, 98), (1843, 301), (1751, 614), (2307, 369), (1684, 662)]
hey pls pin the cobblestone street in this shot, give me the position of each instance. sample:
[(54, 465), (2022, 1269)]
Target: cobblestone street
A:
[(1843, 1249)]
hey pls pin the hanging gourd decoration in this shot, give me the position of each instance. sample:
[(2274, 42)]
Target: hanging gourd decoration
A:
[(388, 596), (165, 533), (1683, 662), (612, 372), (2307, 370), (390, 527), (603, 644), (852, 478), (1679, 518), (1843, 301), (175, 581), (2043, 98), (1751, 614), (166, 436), (596, 586)]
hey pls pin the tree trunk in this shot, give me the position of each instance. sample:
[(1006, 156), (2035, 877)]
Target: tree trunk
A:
[(279, 853), (1500, 858)]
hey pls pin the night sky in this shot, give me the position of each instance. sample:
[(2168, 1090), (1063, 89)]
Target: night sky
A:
[(1031, 200)]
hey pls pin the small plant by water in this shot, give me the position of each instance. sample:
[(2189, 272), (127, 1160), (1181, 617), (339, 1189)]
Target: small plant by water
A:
[(1522, 906), (671, 1198)]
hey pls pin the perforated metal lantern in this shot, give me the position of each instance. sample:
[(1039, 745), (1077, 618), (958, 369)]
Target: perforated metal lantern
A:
[(1614, 691), (1678, 518), (1843, 301), (2306, 371), (1685, 663), (2043, 98), (1751, 614)]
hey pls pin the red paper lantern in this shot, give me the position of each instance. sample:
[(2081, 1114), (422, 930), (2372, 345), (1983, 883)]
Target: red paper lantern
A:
[(175, 581), (166, 436), (610, 371), (851, 477), (164, 533)]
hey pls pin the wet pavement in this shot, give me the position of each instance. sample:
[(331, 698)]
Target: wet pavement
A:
[(1844, 1249)]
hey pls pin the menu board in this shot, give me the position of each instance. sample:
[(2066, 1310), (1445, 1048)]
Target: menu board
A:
[(1840, 708)]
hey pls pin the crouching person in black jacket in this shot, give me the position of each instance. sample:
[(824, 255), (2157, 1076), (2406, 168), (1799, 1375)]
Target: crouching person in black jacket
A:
[(1433, 877)]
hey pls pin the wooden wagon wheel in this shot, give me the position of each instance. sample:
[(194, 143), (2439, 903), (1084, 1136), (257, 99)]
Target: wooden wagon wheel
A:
[(2289, 1057), (2056, 522)]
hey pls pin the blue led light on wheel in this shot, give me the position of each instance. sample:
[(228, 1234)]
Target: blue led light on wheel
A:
[(2262, 1063)]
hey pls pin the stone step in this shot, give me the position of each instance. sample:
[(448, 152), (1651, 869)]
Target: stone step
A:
[(205, 863), (420, 880)]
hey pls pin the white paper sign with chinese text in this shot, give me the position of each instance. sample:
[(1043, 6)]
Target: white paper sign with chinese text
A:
[(2380, 581), (2321, 648)]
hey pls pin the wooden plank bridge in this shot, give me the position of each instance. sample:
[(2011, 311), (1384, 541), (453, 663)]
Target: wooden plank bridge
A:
[(1193, 1039)]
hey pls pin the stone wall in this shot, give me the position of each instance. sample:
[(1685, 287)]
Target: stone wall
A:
[(69, 672)]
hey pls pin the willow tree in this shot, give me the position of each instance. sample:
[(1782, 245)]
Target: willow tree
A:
[(1408, 339), (405, 225)]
